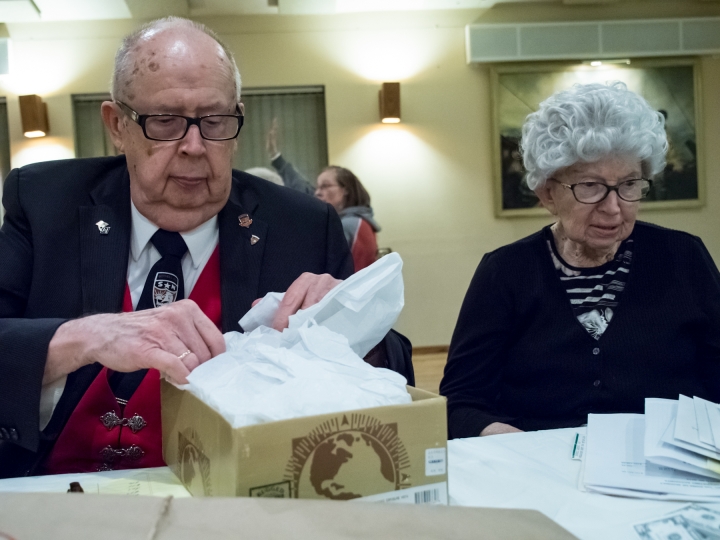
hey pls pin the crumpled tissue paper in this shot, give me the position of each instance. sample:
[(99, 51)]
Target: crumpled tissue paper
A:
[(315, 366)]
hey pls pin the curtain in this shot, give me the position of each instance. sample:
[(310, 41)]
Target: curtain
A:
[(91, 136), (302, 131)]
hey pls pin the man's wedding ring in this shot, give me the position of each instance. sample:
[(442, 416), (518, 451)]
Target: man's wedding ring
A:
[(183, 355)]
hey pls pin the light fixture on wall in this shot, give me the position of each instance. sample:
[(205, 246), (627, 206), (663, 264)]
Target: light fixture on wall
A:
[(34, 116), (607, 61), (390, 103)]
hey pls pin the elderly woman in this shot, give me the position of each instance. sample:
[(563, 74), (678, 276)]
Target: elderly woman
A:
[(596, 312)]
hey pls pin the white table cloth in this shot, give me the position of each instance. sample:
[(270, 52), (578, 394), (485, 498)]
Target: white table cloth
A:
[(534, 470)]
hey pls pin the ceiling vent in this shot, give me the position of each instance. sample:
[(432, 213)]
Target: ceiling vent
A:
[(592, 40)]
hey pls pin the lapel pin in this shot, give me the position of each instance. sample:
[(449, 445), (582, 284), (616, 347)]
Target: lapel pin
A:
[(103, 227), (254, 240), (244, 220)]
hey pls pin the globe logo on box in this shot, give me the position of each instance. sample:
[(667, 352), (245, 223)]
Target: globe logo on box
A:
[(348, 457), (193, 464)]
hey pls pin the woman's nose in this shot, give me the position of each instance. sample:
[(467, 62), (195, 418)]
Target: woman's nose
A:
[(611, 203)]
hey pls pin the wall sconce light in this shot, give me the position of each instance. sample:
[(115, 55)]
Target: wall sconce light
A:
[(34, 116), (390, 103)]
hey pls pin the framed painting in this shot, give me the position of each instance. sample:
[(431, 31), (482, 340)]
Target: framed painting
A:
[(672, 86)]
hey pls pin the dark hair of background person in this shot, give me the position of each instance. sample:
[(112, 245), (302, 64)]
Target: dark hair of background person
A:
[(357, 195)]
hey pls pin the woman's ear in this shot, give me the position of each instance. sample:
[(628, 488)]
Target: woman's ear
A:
[(546, 196)]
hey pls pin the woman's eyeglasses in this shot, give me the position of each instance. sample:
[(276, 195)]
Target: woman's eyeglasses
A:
[(631, 190)]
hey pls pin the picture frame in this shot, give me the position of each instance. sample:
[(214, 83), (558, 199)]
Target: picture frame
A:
[(672, 85)]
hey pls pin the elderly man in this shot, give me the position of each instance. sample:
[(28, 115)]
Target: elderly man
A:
[(89, 245)]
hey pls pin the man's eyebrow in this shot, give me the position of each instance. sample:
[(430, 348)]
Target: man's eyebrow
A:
[(217, 107)]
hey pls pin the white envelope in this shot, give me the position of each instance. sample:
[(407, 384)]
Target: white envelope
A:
[(703, 421), (713, 410), (686, 424), (659, 416), (615, 460)]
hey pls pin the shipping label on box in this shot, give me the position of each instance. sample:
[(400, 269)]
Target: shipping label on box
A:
[(343, 456)]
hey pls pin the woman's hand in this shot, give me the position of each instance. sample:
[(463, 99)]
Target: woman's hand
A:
[(497, 428)]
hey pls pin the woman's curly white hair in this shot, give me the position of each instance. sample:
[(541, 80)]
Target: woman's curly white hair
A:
[(589, 122)]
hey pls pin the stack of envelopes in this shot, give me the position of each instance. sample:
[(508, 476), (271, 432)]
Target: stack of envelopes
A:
[(679, 434), (669, 453)]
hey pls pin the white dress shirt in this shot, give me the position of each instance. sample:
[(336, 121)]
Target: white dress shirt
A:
[(201, 243)]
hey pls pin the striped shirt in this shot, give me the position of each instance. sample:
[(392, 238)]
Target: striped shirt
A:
[(594, 292)]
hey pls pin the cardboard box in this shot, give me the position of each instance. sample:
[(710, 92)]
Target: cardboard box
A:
[(72, 516), (396, 453)]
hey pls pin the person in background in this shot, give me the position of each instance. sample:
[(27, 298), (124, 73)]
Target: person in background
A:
[(343, 190), (598, 311), (339, 187)]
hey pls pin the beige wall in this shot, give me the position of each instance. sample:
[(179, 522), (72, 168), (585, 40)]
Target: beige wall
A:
[(430, 176)]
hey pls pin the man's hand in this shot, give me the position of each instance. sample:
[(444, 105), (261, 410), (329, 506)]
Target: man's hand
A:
[(497, 428), (306, 291), (152, 338)]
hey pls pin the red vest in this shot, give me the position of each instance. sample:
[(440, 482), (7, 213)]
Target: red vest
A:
[(102, 435)]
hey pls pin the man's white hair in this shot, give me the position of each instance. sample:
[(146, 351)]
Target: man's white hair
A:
[(124, 57), (589, 122)]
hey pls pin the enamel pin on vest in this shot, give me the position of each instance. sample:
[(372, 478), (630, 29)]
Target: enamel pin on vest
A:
[(103, 227), (254, 240)]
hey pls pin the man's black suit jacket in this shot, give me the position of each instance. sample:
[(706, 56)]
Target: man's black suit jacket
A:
[(55, 265)]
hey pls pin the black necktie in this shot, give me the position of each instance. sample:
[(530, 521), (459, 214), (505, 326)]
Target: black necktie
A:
[(164, 284)]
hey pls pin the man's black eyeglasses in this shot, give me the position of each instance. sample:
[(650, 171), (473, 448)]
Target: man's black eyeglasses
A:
[(631, 190), (173, 127)]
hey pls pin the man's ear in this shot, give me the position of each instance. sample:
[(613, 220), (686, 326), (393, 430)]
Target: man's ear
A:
[(545, 194), (113, 120), (241, 108)]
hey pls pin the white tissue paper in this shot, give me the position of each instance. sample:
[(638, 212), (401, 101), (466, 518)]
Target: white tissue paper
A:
[(315, 366)]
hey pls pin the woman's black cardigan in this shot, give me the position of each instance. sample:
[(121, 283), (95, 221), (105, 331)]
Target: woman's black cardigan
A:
[(518, 354)]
